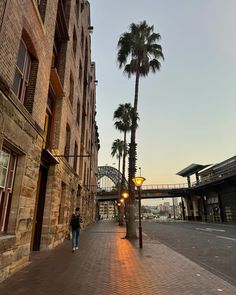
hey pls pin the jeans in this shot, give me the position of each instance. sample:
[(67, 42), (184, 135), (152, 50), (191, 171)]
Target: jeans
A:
[(75, 237)]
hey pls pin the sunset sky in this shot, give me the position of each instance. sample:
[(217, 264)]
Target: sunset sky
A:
[(187, 110)]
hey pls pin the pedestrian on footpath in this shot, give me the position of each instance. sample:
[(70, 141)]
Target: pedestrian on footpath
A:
[(75, 228)]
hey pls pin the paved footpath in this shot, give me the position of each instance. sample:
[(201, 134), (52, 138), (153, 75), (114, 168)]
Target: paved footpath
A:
[(108, 264)]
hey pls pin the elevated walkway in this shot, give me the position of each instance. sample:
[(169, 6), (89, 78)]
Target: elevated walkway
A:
[(148, 192)]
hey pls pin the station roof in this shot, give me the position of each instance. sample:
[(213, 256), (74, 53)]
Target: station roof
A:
[(191, 169)]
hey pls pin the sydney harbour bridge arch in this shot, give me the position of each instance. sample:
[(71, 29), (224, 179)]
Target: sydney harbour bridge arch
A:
[(109, 178)]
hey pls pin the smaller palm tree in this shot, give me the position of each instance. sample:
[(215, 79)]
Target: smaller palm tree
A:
[(117, 150), (123, 120)]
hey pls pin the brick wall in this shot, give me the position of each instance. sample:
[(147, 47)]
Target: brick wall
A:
[(22, 126)]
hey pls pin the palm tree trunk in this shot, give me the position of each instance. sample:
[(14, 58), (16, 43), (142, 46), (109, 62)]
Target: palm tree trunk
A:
[(119, 163), (123, 165), (120, 209), (130, 225), (123, 177)]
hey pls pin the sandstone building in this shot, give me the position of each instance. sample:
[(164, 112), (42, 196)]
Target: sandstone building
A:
[(48, 133)]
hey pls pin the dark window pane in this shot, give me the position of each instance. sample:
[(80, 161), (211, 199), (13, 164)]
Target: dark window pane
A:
[(16, 83), (22, 74), (27, 69), (21, 56), (50, 103)]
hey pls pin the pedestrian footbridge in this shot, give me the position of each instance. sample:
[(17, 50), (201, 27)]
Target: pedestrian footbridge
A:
[(109, 179)]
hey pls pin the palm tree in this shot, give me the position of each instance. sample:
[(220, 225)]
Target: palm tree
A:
[(122, 117), (138, 53), (117, 150)]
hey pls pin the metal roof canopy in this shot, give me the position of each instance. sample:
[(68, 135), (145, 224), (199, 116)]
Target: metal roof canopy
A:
[(191, 169)]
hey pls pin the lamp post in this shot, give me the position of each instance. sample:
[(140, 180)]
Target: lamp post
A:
[(123, 197), (138, 181)]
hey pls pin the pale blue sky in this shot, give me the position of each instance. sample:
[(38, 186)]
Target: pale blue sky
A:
[(187, 110)]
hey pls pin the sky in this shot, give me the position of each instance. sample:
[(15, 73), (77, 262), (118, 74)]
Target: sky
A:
[(187, 110)]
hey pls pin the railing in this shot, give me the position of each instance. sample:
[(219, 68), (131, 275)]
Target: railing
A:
[(217, 174), (164, 186), (149, 187)]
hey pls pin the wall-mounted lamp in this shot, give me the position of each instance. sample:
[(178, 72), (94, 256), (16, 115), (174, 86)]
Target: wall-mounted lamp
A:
[(90, 28)]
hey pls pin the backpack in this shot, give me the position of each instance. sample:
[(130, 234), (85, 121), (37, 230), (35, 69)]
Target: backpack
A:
[(75, 221)]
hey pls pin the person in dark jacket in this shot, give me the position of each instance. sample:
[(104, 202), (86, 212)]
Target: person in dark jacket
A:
[(75, 228)]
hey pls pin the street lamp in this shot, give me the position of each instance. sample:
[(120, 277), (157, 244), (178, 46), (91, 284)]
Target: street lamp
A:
[(122, 200), (125, 195), (138, 181)]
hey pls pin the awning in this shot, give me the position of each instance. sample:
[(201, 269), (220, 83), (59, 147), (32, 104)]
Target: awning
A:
[(48, 157), (191, 169)]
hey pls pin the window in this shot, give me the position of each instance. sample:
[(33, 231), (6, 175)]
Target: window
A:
[(82, 41), (60, 39), (56, 49), (67, 146), (78, 113), (22, 75), (77, 10), (85, 169), (81, 162), (62, 204), (82, 7), (7, 173), (80, 73), (75, 156), (71, 94), (41, 7), (74, 42), (48, 127)]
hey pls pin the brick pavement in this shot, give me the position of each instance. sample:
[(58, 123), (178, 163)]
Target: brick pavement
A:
[(108, 264)]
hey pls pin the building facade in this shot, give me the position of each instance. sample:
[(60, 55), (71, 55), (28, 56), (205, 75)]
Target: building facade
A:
[(48, 134), (108, 210), (212, 196)]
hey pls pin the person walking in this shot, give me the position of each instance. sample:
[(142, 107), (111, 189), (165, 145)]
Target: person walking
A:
[(75, 228)]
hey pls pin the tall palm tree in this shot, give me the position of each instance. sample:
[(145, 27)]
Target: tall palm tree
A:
[(138, 53), (123, 120)]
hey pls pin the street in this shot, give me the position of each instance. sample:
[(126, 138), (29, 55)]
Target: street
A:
[(213, 246)]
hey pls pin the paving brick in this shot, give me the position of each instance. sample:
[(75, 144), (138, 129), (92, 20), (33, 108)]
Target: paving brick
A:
[(108, 264)]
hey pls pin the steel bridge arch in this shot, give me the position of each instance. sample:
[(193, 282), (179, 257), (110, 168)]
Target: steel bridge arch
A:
[(112, 173)]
